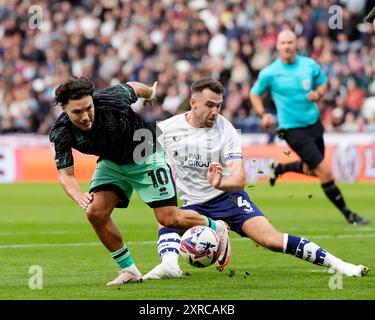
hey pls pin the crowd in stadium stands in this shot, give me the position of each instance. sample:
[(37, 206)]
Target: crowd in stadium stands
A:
[(176, 42)]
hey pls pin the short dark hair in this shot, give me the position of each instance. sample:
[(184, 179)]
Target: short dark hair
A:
[(207, 83), (73, 89)]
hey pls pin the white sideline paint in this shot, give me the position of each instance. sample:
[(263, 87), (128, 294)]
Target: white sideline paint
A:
[(36, 232), (353, 228), (56, 232), (341, 236), (84, 244), (72, 244)]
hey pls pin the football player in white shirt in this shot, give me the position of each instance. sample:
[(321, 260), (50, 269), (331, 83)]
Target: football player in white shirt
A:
[(210, 178)]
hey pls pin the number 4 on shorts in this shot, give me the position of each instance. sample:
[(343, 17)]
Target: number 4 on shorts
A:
[(244, 203)]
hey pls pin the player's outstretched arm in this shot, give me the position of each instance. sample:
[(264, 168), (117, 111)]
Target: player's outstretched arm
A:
[(144, 91), (234, 181), (72, 188)]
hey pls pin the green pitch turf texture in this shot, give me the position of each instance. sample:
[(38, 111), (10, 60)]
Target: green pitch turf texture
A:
[(40, 225)]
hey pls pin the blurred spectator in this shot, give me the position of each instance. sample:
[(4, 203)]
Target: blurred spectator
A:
[(371, 125), (334, 117), (172, 100), (175, 42), (351, 123), (368, 110), (356, 96)]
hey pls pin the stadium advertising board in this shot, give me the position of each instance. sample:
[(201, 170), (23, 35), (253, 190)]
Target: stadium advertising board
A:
[(352, 158)]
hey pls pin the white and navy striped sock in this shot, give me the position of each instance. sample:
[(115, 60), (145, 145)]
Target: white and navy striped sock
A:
[(305, 249), (169, 245)]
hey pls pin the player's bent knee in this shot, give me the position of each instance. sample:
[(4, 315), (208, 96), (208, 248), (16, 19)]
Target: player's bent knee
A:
[(169, 222), (325, 176), (323, 172), (168, 217), (97, 215)]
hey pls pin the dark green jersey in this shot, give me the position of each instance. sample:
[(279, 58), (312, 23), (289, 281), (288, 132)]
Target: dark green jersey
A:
[(112, 134)]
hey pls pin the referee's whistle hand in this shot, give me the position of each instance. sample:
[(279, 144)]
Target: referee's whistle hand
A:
[(313, 96), (267, 121)]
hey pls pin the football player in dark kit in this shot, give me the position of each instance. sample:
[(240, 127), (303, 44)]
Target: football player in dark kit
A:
[(102, 123)]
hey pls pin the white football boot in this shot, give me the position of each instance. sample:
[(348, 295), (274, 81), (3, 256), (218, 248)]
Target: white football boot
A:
[(126, 276), (164, 270), (225, 247), (351, 270)]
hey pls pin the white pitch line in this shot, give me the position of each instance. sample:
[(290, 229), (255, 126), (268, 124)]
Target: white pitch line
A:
[(41, 245), (62, 232), (36, 232), (83, 244), (72, 244), (353, 228), (341, 236), (57, 232)]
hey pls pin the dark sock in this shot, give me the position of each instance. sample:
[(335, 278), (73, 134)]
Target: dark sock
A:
[(334, 194), (296, 166)]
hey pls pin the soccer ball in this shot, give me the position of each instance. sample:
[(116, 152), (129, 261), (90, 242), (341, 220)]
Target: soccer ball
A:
[(200, 246)]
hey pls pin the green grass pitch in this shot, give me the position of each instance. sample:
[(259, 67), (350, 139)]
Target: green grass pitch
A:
[(40, 225)]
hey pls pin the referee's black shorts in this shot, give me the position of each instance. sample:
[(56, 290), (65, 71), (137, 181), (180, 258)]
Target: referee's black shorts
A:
[(307, 142)]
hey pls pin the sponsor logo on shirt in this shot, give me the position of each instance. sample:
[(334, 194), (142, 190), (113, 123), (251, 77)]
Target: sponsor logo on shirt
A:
[(192, 160)]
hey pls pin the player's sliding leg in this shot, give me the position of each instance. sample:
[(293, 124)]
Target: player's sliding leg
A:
[(304, 249), (99, 215), (261, 231)]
